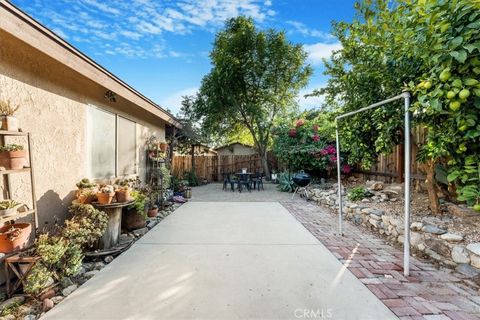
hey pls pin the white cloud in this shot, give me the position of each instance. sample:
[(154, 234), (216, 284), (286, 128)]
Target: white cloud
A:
[(304, 30), (174, 101), (60, 33), (144, 23), (306, 103), (319, 51)]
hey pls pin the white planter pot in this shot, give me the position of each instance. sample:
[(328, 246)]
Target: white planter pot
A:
[(9, 123)]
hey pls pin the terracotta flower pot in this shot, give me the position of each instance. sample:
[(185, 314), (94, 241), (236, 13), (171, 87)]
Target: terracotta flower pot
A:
[(163, 146), (122, 195), (85, 197), (152, 212), (105, 198), (13, 160), (132, 220), (12, 241)]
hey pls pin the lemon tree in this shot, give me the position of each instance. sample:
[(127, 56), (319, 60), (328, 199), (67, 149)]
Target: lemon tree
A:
[(430, 47)]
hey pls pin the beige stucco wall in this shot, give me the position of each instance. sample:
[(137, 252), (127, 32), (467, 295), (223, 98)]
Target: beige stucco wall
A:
[(236, 149), (54, 102)]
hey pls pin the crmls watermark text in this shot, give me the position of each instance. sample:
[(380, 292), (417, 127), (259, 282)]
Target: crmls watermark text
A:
[(313, 313)]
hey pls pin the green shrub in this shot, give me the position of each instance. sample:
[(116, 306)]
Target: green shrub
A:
[(357, 193), (59, 257), (86, 225), (285, 182), (140, 200), (192, 179)]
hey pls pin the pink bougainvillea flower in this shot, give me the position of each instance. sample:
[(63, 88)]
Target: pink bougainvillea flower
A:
[(316, 138), (346, 168), (315, 128), (299, 123), (333, 158), (292, 133), (324, 152)]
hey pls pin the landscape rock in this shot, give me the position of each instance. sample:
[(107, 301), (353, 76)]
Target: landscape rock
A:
[(98, 265), (47, 294), (377, 186), (416, 226), (452, 237), (433, 229), (108, 259), (438, 246), (126, 238), (460, 255), (396, 221), (13, 300), (415, 238), (475, 261), (47, 305), (474, 248), (68, 290), (30, 317), (467, 270), (90, 274), (140, 232), (57, 299), (66, 282)]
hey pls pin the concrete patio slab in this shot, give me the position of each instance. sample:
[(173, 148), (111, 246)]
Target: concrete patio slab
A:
[(224, 261)]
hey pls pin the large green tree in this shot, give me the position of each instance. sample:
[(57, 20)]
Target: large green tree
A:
[(256, 76), (430, 47)]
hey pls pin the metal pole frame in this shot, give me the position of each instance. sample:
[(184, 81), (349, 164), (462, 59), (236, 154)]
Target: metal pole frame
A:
[(406, 244)]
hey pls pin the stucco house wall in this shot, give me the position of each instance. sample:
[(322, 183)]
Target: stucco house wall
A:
[(54, 100), (235, 149)]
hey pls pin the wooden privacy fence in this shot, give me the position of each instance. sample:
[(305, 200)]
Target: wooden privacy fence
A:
[(212, 167), (389, 168)]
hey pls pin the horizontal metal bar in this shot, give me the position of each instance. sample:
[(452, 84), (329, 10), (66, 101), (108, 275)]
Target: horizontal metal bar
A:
[(375, 105)]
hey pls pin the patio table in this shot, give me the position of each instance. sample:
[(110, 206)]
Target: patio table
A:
[(111, 235)]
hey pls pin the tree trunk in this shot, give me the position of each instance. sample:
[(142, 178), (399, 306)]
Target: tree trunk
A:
[(266, 169), (192, 154), (432, 189)]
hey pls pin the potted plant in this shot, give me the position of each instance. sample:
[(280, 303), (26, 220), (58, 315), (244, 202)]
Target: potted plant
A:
[(8, 207), (163, 146), (122, 192), (7, 110), (135, 216), (12, 156), (152, 211), (14, 237), (87, 191), (105, 194)]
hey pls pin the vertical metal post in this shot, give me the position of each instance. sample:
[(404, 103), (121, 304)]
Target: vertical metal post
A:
[(406, 245), (340, 207)]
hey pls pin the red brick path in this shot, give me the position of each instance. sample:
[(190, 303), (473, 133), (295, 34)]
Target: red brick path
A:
[(428, 293)]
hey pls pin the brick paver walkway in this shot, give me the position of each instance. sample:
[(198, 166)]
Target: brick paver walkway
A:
[(429, 293)]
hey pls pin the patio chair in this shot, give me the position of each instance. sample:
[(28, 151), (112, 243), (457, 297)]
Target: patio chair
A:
[(254, 180), (260, 181), (228, 180), (244, 180)]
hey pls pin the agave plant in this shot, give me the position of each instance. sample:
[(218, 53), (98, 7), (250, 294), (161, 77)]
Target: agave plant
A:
[(285, 182)]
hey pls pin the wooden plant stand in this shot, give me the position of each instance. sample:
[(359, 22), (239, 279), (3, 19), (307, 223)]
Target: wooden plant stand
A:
[(13, 263)]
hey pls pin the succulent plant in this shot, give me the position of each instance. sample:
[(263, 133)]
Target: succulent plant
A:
[(11, 147)]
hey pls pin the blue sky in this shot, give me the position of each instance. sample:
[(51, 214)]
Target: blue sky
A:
[(161, 47)]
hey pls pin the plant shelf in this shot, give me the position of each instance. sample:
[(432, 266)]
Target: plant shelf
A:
[(16, 216), (13, 133), (15, 171)]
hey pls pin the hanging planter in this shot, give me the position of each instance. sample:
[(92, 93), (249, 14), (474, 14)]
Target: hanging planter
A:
[(14, 237), (12, 157)]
